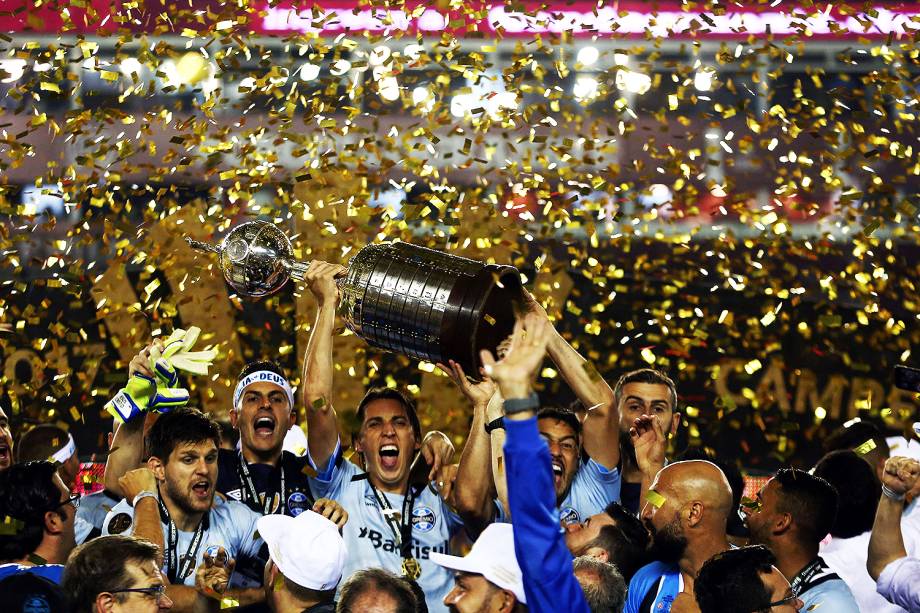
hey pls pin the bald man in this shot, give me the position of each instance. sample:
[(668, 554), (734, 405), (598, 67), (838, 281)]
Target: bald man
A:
[(686, 512)]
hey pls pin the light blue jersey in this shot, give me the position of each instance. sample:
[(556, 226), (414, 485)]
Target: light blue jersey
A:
[(825, 590), (593, 488), (232, 526), (91, 514), (370, 538)]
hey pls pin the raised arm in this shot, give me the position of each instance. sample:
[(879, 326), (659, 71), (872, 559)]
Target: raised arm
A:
[(887, 543), (322, 426), (650, 444), (601, 438), (546, 564), (127, 451), (473, 491), (497, 443), (146, 510)]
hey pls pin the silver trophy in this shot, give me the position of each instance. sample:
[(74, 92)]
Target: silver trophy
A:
[(397, 296)]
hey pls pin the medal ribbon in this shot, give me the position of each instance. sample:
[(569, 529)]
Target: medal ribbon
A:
[(249, 489), (174, 571), (805, 576), (402, 530)]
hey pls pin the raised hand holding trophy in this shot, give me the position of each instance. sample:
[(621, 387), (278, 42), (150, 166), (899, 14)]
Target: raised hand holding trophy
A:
[(397, 296)]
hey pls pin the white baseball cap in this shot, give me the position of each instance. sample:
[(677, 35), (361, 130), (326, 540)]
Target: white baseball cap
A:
[(307, 549), (492, 556)]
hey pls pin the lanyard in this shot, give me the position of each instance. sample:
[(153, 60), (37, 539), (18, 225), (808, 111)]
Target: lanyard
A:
[(174, 571), (249, 489), (805, 575), (401, 527)]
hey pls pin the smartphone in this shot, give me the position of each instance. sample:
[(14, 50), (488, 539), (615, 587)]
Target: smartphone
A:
[(907, 378)]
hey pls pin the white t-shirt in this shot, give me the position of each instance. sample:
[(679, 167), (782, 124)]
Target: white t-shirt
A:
[(369, 537), (848, 557), (232, 525)]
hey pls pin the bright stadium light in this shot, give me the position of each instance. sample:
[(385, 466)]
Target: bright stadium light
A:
[(585, 89), (379, 55), (632, 81), (340, 67), (12, 70), (131, 66), (422, 98), (587, 56), (388, 88), (703, 79), (308, 72)]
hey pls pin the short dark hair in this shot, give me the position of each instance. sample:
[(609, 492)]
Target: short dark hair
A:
[(645, 375), (858, 491), (389, 393), (21, 590), (810, 500), (27, 492), (606, 591), (177, 427), (730, 582), (261, 365), (100, 565), (626, 541), (40, 443), (562, 414), (854, 434), (380, 580)]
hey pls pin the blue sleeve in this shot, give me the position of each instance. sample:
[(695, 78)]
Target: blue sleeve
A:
[(539, 545), (245, 519), (331, 481), (640, 584)]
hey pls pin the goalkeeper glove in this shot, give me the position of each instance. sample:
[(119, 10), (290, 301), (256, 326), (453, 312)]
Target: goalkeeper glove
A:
[(142, 394), (177, 350)]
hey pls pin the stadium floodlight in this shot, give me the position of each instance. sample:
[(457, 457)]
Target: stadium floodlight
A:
[(587, 56)]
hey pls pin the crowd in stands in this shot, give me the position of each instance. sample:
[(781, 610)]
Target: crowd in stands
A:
[(556, 509)]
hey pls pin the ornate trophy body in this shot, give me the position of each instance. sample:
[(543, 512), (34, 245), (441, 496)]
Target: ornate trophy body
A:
[(397, 296)]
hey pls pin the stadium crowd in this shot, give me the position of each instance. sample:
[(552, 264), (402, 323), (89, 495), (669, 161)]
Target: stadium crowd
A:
[(559, 509)]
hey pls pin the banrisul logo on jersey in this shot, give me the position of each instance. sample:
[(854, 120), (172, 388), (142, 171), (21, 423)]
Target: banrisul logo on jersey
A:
[(423, 519)]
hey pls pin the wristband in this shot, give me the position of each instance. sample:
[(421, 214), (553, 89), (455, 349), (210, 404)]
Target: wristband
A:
[(144, 494), (890, 493), (496, 424), (519, 405)]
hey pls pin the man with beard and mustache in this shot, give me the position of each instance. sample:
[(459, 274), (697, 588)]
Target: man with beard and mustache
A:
[(642, 392), (791, 514), (686, 513), (181, 477)]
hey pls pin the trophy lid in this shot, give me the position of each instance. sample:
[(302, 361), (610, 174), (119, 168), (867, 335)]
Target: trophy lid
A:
[(253, 257)]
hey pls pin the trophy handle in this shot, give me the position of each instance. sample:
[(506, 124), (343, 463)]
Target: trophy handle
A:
[(201, 246), (297, 270)]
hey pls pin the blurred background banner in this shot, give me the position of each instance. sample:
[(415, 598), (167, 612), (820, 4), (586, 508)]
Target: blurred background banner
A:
[(725, 193)]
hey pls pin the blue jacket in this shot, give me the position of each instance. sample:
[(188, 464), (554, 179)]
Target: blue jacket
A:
[(539, 545)]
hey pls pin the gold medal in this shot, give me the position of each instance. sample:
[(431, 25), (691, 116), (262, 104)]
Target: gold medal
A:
[(411, 569)]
